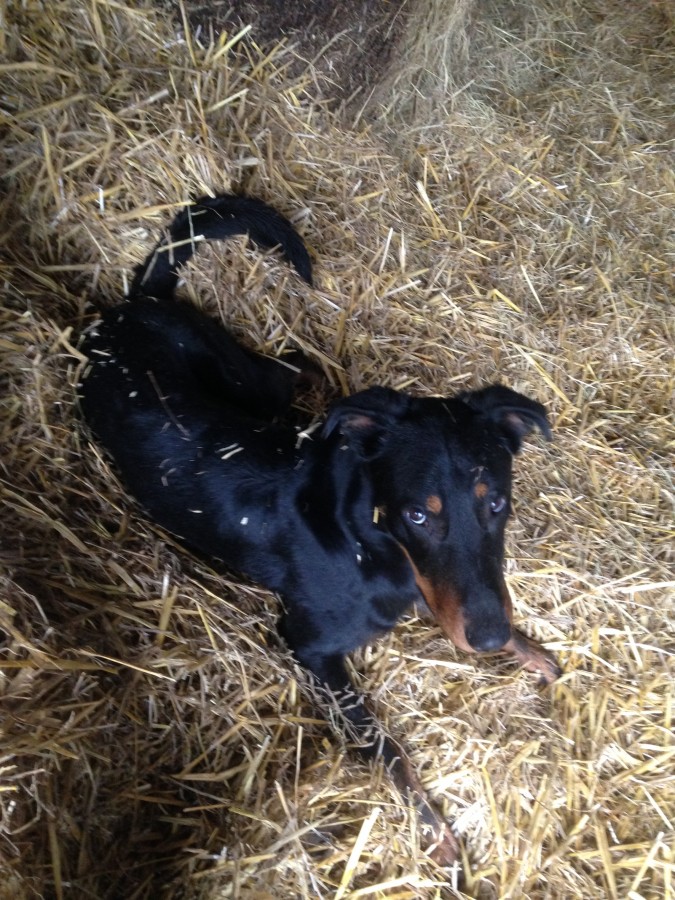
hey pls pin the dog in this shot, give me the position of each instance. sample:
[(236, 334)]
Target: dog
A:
[(394, 500)]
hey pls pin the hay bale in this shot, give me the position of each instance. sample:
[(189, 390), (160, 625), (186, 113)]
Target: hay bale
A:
[(156, 739)]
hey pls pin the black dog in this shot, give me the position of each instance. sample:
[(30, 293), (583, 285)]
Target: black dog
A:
[(394, 499)]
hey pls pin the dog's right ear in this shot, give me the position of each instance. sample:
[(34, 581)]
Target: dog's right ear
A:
[(366, 418)]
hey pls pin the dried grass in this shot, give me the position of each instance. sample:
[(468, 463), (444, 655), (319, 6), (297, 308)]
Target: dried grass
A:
[(156, 738)]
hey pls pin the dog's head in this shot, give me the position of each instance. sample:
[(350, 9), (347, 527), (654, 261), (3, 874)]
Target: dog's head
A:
[(441, 470)]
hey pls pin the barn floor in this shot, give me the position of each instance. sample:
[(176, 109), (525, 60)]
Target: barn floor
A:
[(489, 196)]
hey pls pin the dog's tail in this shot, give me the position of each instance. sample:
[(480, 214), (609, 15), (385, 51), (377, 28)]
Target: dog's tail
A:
[(214, 219)]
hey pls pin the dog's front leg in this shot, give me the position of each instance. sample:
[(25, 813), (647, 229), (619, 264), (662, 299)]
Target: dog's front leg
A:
[(373, 743), (437, 838)]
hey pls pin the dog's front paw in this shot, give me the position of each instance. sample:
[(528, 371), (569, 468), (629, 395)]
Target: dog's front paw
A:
[(445, 851), (534, 658), (437, 839)]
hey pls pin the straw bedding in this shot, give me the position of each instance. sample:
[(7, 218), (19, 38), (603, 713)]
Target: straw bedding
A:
[(156, 739)]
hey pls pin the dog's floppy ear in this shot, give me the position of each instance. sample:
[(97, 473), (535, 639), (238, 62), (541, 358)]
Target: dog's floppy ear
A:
[(365, 418), (515, 414)]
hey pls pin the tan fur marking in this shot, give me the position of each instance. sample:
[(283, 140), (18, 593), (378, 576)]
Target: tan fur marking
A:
[(481, 490), (434, 504), (446, 608)]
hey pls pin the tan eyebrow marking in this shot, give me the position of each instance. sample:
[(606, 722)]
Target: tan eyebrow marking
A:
[(481, 490), (434, 504)]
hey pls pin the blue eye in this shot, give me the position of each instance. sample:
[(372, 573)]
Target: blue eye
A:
[(498, 505), (415, 515)]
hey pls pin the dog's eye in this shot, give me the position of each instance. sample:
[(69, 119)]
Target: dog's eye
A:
[(416, 515), (498, 505)]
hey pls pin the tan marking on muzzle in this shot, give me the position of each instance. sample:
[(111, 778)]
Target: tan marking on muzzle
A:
[(434, 504), (445, 606)]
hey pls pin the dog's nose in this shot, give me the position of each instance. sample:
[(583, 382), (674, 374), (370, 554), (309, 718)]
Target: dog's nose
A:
[(488, 637)]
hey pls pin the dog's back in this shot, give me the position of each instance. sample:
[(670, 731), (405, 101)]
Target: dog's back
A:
[(172, 395)]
